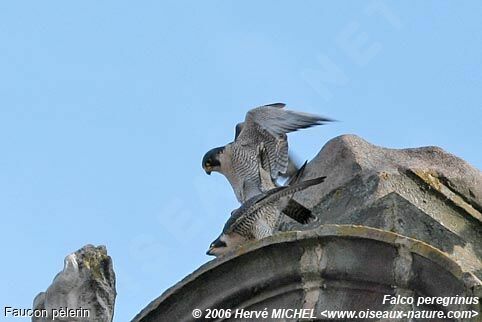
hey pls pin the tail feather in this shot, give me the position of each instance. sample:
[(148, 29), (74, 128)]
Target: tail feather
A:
[(298, 212)]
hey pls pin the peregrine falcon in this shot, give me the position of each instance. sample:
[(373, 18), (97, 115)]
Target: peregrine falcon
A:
[(265, 125), (257, 218)]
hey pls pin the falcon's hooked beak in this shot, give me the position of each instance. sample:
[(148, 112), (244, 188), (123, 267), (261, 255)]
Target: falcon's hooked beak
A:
[(208, 168), (217, 247), (210, 251)]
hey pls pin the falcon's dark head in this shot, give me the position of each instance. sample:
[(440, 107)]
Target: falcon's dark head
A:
[(211, 161), (217, 247)]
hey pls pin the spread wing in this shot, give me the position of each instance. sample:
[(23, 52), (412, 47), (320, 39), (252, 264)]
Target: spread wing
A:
[(270, 124)]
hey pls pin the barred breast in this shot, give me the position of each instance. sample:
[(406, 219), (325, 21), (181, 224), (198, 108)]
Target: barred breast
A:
[(245, 165)]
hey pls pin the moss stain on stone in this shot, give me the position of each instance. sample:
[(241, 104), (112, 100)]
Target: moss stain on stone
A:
[(94, 260)]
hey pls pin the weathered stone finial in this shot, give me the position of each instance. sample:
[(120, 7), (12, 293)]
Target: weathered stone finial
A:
[(84, 290)]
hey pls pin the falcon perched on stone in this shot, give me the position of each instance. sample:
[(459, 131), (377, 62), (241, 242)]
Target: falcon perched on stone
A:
[(257, 218), (264, 126)]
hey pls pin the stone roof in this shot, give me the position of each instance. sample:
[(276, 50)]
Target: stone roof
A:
[(400, 222)]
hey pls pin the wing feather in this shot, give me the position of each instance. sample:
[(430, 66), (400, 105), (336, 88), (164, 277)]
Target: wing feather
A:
[(279, 121), (270, 124)]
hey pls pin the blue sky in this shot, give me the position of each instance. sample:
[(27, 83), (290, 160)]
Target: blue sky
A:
[(106, 109)]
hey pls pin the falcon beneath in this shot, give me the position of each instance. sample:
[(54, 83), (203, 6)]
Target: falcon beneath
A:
[(257, 218)]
